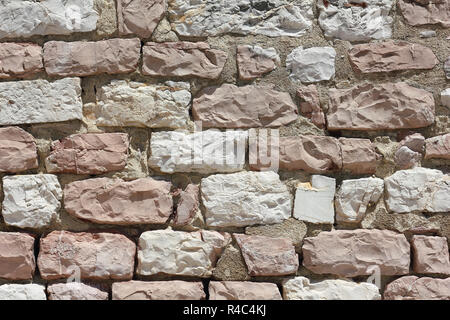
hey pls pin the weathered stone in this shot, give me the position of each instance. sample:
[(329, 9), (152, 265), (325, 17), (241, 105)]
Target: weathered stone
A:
[(356, 21), (414, 142), (36, 101), (245, 290), (20, 59), (254, 61), (245, 198), (49, 17), (430, 255), (414, 288), (391, 56), (107, 20), (310, 105), (428, 34), (136, 104), (266, 256), (438, 147), (31, 201), (22, 292), (231, 265), (436, 12), (388, 106), (359, 156), (405, 158), (203, 152), (97, 256), (85, 58), (300, 288), (16, 256), (177, 253), (355, 196), (447, 68), (140, 17), (215, 17), (311, 64), (75, 291), (357, 252), (182, 59), (114, 201), (445, 95), (17, 150), (158, 290), (291, 229), (314, 202), (91, 153), (418, 190), (229, 106), (188, 205)]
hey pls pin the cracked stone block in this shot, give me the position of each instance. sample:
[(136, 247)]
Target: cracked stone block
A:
[(140, 17), (415, 288), (20, 60), (430, 255)]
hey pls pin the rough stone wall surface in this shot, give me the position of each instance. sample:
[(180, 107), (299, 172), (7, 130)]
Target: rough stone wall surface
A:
[(105, 178)]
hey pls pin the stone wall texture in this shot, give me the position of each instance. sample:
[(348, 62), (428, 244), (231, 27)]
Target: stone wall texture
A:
[(133, 164)]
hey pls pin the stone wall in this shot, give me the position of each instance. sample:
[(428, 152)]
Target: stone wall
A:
[(102, 198)]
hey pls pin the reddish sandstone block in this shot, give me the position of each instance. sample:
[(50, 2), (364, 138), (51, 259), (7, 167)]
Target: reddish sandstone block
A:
[(158, 290), (113, 201), (75, 291), (17, 150), (85, 58), (358, 156), (20, 59), (414, 288), (98, 256), (90, 153), (182, 59), (254, 61), (351, 253), (16, 256), (245, 290), (265, 256), (438, 147), (187, 205), (310, 105), (430, 255)]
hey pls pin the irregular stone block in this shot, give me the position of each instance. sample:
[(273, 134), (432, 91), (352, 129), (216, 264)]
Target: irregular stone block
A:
[(50, 17), (310, 105), (245, 198), (91, 153), (158, 290), (356, 21), (135, 104), (380, 107), (266, 256), (18, 150), (355, 196), (188, 205), (314, 202), (414, 142), (415, 288), (96, 256), (300, 288), (40, 101), (182, 59), (31, 201), (177, 253), (405, 158), (245, 290), (114, 201), (229, 106), (254, 61), (438, 147), (86, 58), (311, 64), (434, 12), (203, 152), (216, 17), (445, 95), (20, 59), (107, 20), (29, 291), (357, 252), (16, 256), (140, 17), (430, 255), (75, 291), (359, 156), (391, 56), (418, 190)]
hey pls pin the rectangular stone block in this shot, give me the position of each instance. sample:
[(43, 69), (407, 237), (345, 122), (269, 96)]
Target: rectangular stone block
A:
[(75, 291), (90, 153), (243, 290), (20, 60), (29, 291), (359, 156), (158, 290), (40, 101), (86, 58), (438, 147), (18, 150), (415, 288), (16, 256), (96, 256), (430, 255)]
